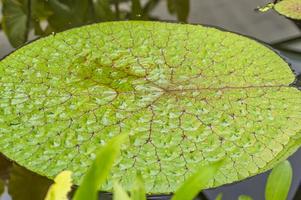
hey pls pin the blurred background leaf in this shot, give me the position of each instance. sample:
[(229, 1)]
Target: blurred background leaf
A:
[(15, 21), (21, 17), (103, 10)]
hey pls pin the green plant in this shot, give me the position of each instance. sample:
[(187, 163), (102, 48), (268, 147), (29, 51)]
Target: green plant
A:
[(184, 94), (287, 8), (279, 182), (46, 17), (277, 187), (196, 182), (99, 170)]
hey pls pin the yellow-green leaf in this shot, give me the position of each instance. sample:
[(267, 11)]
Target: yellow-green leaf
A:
[(120, 193), (279, 182), (61, 187), (138, 190), (266, 7)]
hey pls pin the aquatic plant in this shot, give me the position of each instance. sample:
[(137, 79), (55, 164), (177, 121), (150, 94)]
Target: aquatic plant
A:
[(287, 8), (186, 95)]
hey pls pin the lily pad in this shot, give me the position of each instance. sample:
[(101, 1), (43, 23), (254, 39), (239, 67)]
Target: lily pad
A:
[(289, 8), (187, 95)]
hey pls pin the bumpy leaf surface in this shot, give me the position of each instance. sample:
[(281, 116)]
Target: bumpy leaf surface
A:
[(289, 8), (187, 95)]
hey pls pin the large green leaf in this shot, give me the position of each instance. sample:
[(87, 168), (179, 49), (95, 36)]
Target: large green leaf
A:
[(289, 8), (99, 170), (15, 20), (188, 96), (279, 182)]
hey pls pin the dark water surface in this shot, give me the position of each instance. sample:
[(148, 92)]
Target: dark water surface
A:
[(233, 15)]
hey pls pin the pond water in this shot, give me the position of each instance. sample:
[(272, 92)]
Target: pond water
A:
[(233, 15)]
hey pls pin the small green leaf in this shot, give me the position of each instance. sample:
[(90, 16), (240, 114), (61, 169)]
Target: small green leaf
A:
[(100, 169), (244, 197), (138, 191), (266, 7), (219, 196), (196, 182), (61, 187), (279, 182), (120, 193), (15, 21)]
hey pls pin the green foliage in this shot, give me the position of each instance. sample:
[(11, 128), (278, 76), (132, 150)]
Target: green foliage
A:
[(266, 7), (287, 8), (21, 16), (100, 169), (196, 182), (181, 102), (120, 193), (138, 190), (16, 21), (279, 182), (244, 197)]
